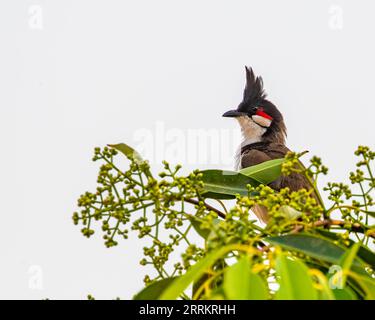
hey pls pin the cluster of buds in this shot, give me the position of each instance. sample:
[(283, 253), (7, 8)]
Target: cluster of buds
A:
[(160, 208)]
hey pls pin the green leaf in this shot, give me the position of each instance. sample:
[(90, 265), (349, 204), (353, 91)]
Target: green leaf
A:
[(219, 265), (221, 196), (265, 172), (154, 290), (196, 223), (240, 283), (364, 253), (315, 247), (219, 184), (325, 293), (128, 151), (294, 280), (344, 294), (347, 260), (217, 294), (289, 212), (194, 273), (367, 284), (371, 213)]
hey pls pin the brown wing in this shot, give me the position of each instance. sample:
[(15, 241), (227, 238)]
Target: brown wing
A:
[(267, 151), (260, 152)]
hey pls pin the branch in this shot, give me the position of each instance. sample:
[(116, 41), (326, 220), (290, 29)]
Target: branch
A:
[(355, 227), (196, 202)]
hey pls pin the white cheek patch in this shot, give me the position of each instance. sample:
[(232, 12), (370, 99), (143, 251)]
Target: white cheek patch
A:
[(251, 131), (261, 121)]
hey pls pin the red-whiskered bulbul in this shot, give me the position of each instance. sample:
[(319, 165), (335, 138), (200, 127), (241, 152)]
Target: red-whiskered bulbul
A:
[(264, 134)]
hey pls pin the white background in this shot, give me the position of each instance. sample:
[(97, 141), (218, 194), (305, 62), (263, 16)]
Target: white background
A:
[(84, 73)]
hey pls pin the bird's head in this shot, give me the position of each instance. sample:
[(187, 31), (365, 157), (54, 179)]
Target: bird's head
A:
[(259, 118)]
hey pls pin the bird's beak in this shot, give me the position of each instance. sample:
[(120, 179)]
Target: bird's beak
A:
[(232, 114)]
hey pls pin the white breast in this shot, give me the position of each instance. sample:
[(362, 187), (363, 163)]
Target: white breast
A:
[(251, 133)]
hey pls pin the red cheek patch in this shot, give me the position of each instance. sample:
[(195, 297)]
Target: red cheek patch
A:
[(261, 113)]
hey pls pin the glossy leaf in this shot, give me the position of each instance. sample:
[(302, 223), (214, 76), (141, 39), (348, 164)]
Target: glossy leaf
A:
[(347, 260), (220, 184), (365, 254), (240, 283), (294, 280), (128, 151), (315, 247), (266, 172), (154, 290), (221, 196), (194, 273)]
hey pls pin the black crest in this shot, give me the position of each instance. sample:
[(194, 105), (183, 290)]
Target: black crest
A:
[(254, 91)]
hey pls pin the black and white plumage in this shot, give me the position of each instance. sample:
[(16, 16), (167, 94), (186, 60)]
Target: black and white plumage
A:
[(264, 135)]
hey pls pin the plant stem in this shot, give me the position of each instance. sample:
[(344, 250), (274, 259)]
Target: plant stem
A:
[(196, 202)]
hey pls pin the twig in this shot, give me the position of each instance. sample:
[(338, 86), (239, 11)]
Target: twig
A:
[(355, 227), (196, 202)]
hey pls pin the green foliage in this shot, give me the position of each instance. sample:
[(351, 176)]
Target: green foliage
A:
[(241, 283), (266, 172), (309, 249), (154, 290), (295, 280), (219, 184)]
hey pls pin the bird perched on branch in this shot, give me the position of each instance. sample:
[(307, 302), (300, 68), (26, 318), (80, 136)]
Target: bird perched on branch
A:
[(264, 133)]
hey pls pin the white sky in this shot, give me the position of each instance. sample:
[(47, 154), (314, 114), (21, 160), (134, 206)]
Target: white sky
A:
[(84, 73)]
